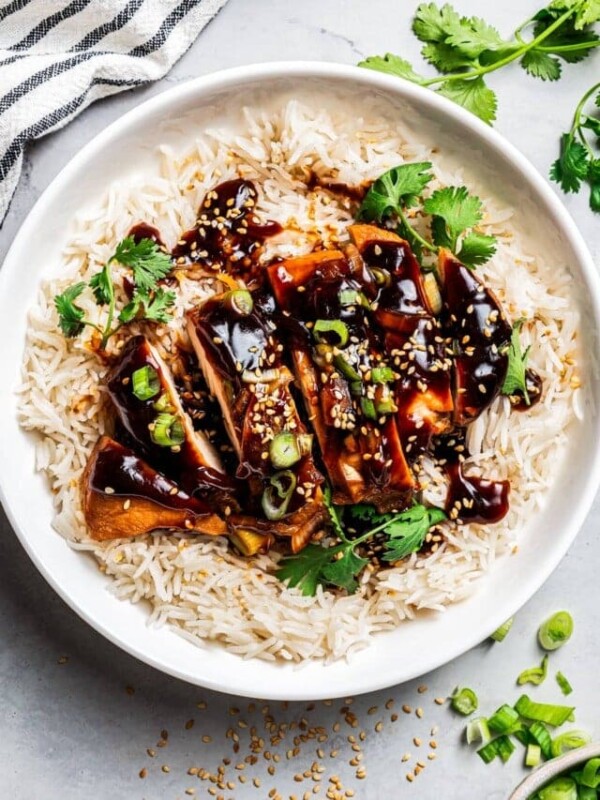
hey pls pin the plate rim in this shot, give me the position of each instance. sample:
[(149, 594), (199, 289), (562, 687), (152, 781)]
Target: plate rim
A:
[(224, 79)]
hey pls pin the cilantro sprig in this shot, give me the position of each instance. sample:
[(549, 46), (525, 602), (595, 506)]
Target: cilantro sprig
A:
[(340, 565), (465, 49), (515, 382), (579, 160), (454, 212), (148, 265)]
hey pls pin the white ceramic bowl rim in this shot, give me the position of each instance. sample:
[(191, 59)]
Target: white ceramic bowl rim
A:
[(364, 680)]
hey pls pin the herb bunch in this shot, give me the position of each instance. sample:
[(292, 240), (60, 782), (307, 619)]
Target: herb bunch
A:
[(148, 265), (465, 49), (579, 160), (340, 565)]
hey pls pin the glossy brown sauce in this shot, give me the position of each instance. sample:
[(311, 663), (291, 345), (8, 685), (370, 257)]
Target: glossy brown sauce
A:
[(355, 193)]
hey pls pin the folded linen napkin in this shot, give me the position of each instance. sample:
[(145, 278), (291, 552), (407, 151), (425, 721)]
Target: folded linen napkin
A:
[(58, 56)]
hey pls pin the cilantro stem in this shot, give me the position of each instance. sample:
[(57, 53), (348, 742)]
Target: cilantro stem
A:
[(576, 126), (111, 305), (569, 48), (476, 73), (423, 242)]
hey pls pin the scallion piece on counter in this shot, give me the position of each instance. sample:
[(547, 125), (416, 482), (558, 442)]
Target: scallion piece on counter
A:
[(500, 634), (543, 712), (477, 730), (535, 675), (569, 740), (562, 788), (503, 720), (540, 735), (533, 755), (464, 701), (145, 383), (502, 746), (284, 451), (167, 430), (331, 331), (564, 684), (556, 630)]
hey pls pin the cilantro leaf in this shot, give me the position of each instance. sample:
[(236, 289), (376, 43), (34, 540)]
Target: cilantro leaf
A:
[(477, 248), (398, 187), (473, 95), (145, 258), (435, 24), (102, 287), (334, 514), (572, 166), (587, 12), (445, 57), (458, 210), (566, 36), (151, 306), (305, 569), (70, 316), (594, 181), (392, 65), (515, 381), (541, 65), (342, 572), (474, 36), (407, 531), (592, 123)]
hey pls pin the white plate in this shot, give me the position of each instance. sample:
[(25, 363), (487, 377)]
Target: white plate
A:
[(128, 146)]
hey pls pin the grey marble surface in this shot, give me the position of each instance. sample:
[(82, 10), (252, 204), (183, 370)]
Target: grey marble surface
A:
[(76, 714)]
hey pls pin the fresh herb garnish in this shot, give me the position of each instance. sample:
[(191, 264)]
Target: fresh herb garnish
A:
[(579, 160), (515, 382), (534, 675), (148, 264), (340, 565), (455, 213), (465, 49)]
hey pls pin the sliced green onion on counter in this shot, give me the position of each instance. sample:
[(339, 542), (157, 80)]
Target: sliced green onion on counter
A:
[(533, 755), (551, 714), (535, 675), (556, 630), (276, 497), (167, 430), (540, 735), (569, 740), (477, 730), (332, 331), (284, 450), (564, 684), (145, 383), (503, 720), (464, 701), (502, 746), (500, 634)]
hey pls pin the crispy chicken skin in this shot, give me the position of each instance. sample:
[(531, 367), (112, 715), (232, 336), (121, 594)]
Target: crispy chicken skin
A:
[(123, 496)]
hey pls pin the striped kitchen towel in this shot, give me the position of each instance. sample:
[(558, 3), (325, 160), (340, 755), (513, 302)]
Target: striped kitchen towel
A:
[(58, 56)]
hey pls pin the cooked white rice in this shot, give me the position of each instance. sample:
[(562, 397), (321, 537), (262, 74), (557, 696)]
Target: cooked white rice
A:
[(196, 584)]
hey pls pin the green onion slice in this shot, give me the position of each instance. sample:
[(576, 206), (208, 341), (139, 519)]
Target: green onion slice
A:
[(464, 701), (241, 301), (167, 430), (352, 297), (500, 634), (556, 630), (347, 369), (331, 331), (563, 788), (502, 746), (540, 735), (533, 755), (284, 450), (145, 382), (584, 792), (503, 720), (590, 775), (163, 403), (564, 684), (276, 497), (569, 740), (368, 408), (477, 730), (382, 375), (535, 675), (543, 712)]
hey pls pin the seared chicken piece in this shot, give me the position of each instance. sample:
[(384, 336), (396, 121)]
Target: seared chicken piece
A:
[(123, 496), (405, 312), (480, 334), (234, 336), (150, 411), (344, 379)]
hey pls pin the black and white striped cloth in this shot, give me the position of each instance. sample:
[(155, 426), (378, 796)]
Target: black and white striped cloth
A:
[(58, 56)]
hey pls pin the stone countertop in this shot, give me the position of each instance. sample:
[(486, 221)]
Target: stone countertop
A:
[(77, 715)]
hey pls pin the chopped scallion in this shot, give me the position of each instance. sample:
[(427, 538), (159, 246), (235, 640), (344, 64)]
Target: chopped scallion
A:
[(540, 735), (276, 497), (556, 630), (477, 730), (564, 684), (464, 701), (284, 451), (500, 634), (167, 430), (145, 382), (569, 740), (382, 375), (590, 775), (562, 788), (543, 712), (533, 755), (502, 746), (241, 301), (347, 370), (535, 675), (503, 720), (163, 403), (368, 408), (332, 331)]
